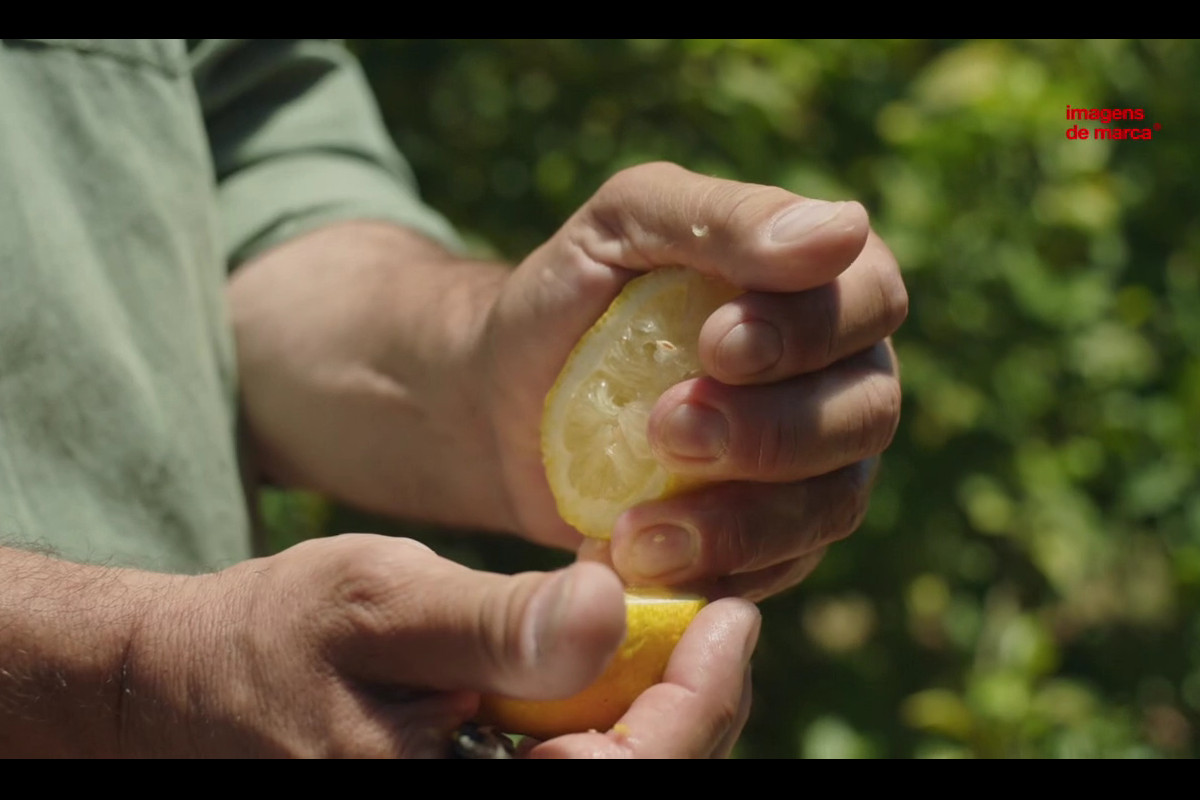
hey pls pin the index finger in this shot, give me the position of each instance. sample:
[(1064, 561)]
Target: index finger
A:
[(758, 238), (696, 710), (763, 337)]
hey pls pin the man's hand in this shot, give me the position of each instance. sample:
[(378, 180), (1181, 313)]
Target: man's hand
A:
[(382, 370), (354, 646), (803, 396)]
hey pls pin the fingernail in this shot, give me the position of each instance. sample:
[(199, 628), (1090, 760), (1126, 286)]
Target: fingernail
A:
[(550, 606), (694, 431), (663, 550), (803, 219), (750, 348)]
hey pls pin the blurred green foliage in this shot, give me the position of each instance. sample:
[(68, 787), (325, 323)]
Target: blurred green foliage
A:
[(1028, 580)]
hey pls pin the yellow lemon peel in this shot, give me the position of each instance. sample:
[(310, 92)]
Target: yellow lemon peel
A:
[(655, 621)]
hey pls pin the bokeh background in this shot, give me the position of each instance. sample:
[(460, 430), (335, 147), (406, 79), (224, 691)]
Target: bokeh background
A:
[(1028, 579)]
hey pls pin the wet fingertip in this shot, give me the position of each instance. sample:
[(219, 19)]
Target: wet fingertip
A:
[(745, 616)]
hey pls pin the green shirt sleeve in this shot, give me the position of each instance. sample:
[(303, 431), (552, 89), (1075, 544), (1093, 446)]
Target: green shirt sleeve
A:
[(298, 143)]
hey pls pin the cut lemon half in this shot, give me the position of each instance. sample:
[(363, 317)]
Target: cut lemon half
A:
[(654, 622), (594, 429)]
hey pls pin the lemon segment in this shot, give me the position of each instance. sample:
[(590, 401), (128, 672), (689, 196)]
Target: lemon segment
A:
[(655, 620), (594, 429)]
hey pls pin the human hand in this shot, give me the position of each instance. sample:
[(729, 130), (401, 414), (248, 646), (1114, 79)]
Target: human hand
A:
[(374, 647), (803, 394)]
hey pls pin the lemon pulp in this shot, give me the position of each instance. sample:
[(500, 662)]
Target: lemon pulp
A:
[(594, 444)]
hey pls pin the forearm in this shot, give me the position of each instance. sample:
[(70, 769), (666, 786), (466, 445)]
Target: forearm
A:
[(65, 637), (358, 349)]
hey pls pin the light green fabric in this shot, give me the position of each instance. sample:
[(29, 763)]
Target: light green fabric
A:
[(133, 174)]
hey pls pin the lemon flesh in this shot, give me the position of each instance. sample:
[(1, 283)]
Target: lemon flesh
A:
[(655, 620), (594, 429)]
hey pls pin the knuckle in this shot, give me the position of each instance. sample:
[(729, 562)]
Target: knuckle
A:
[(611, 215), (893, 297), (361, 577), (893, 301), (738, 543), (499, 644), (818, 324), (361, 592), (750, 206), (726, 712), (733, 200), (364, 579), (879, 414), (636, 177), (784, 576), (805, 566), (776, 449), (848, 500), (844, 520)]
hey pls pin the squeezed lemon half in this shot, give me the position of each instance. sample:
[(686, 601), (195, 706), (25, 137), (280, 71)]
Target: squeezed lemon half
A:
[(598, 463), (594, 445)]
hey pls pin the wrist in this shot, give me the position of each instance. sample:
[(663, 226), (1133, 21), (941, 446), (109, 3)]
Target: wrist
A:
[(360, 356), (198, 668), (160, 672), (440, 364), (66, 634)]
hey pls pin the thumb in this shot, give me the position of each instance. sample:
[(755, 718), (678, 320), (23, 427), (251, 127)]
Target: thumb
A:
[(446, 627), (759, 238)]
